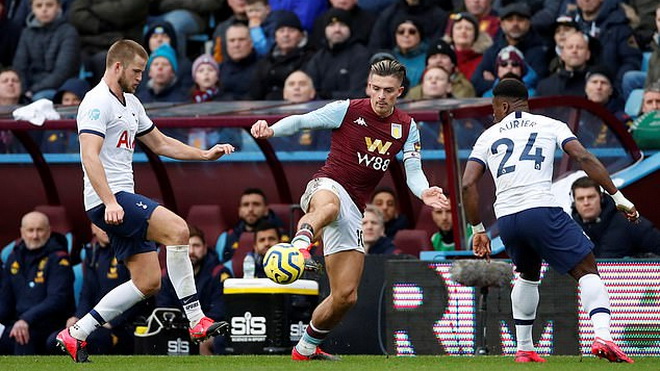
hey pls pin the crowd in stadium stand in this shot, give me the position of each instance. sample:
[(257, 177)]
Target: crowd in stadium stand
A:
[(256, 44)]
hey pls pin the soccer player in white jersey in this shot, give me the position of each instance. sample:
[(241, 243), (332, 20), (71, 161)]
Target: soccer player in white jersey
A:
[(110, 118), (519, 151)]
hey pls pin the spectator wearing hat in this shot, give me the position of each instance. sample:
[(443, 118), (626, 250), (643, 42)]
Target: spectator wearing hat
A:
[(410, 49), (160, 33), (163, 84), (237, 71), (516, 31), (483, 11), (263, 23), (468, 41), (441, 54), (431, 17), (600, 89), (339, 70), (290, 53), (362, 22), (607, 22), (511, 61), (571, 78), (543, 13), (306, 10), (206, 75), (564, 26), (70, 93)]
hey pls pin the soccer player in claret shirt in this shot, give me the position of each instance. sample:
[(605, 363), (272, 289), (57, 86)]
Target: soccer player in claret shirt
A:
[(366, 136), (110, 118), (519, 150)]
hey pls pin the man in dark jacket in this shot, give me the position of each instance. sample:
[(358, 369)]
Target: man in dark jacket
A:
[(163, 84), (36, 296), (289, 54), (361, 20), (209, 276), (373, 227), (516, 31), (48, 51), (252, 209), (572, 76), (431, 17), (340, 69), (606, 21), (613, 236), (237, 70)]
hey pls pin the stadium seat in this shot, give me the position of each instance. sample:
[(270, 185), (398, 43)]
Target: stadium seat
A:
[(646, 58), (412, 241), (425, 220), (634, 103), (288, 214), (245, 245), (209, 219)]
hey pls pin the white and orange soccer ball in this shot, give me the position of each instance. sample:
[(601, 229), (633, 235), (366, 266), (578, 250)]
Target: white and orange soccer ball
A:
[(284, 263)]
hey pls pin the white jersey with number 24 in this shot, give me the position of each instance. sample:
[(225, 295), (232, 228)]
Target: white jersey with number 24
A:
[(519, 151)]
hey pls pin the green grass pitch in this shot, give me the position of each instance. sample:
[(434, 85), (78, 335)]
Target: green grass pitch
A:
[(348, 363)]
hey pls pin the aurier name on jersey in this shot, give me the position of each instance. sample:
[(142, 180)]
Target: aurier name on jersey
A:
[(102, 113), (519, 151)]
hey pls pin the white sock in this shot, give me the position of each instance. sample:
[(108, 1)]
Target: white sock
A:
[(180, 271), (596, 302), (311, 339), (110, 306), (524, 301)]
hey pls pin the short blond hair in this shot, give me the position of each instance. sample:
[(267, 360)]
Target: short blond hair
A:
[(124, 51)]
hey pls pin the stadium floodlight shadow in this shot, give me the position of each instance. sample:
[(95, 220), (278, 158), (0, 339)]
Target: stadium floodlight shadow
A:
[(482, 274)]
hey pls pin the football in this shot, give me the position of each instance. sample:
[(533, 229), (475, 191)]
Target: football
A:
[(284, 263)]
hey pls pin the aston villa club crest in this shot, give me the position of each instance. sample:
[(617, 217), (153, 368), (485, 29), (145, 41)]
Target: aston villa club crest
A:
[(396, 130)]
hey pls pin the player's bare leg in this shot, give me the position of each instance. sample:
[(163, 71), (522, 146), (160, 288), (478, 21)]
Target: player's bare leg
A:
[(323, 209), (344, 272), (172, 231), (596, 302)]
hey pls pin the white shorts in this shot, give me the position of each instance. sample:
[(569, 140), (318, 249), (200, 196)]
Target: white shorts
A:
[(344, 233)]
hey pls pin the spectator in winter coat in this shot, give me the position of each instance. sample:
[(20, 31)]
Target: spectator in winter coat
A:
[(48, 52), (613, 236), (37, 288), (340, 69)]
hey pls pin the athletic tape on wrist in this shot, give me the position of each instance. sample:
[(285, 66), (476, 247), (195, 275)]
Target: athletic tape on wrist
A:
[(479, 228), (620, 199)]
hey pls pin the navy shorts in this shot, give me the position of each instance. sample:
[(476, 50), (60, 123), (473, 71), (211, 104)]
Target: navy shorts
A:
[(129, 237), (546, 233)]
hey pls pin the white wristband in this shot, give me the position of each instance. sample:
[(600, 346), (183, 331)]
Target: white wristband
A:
[(479, 228), (621, 200)]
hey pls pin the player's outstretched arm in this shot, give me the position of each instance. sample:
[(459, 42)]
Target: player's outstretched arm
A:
[(596, 171), (163, 145), (90, 147)]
